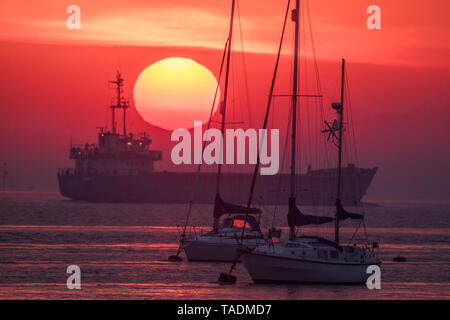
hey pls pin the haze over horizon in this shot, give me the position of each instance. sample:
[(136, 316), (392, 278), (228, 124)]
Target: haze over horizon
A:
[(54, 81)]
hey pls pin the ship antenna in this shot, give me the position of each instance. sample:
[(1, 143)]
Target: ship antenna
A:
[(223, 105)]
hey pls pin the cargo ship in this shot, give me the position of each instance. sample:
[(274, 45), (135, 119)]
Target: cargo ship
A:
[(120, 168)]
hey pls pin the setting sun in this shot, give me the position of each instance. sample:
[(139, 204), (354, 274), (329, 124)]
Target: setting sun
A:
[(174, 92)]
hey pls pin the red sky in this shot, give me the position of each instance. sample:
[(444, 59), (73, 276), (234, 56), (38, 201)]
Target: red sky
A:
[(413, 31), (54, 80)]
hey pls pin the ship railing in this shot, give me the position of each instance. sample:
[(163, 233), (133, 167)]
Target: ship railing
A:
[(190, 231), (371, 247), (195, 231), (107, 172), (79, 151)]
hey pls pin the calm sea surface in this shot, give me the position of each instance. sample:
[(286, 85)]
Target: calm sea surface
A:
[(122, 251)]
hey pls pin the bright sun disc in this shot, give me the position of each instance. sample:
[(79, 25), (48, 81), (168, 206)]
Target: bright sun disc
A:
[(174, 92)]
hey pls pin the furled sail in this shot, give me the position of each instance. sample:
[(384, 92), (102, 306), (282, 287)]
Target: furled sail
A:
[(297, 218), (342, 214), (221, 207)]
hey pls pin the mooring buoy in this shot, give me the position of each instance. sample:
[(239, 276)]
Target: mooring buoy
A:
[(399, 259), (175, 258), (227, 278)]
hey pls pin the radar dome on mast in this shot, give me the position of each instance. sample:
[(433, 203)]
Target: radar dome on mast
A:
[(336, 105)]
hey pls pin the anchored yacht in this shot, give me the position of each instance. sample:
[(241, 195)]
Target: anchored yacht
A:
[(222, 245), (303, 258), (222, 242), (309, 259)]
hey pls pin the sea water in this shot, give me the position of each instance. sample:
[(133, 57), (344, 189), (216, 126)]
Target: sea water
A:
[(122, 251)]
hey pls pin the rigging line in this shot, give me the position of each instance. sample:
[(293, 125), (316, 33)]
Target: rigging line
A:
[(289, 123), (272, 122), (223, 107), (319, 87), (273, 217), (203, 147), (266, 118), (246, 87), (244, 63), (316, 67), (233, 122), (235, 108), (299, 145), (291, 103), (352, 135), (280, 168), (286, 141), (365, 230), (291, 81), (308, 157), (284, 158), (296, 106), (356, 230), (283, 164), (350, 112), (313, 49), (300, 138)]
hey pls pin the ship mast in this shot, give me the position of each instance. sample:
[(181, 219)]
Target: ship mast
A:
[(292, 195), (223, 105), (339, 108), (120, 103)]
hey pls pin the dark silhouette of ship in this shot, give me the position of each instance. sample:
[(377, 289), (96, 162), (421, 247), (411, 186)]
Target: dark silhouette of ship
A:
[(120, 168)]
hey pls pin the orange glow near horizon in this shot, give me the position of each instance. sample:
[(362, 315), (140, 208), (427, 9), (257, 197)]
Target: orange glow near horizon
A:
[(174, 92)]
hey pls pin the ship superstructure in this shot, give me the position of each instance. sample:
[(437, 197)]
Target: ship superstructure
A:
[(115, 154)]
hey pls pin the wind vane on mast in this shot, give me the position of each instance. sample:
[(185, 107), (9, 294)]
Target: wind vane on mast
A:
[(332, 128)]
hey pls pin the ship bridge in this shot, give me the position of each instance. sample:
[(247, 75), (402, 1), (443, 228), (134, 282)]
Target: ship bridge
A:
[(115, 155), (123, 154)]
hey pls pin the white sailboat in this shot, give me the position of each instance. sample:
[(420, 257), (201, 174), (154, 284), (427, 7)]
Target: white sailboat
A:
[(309, 259), (222, 242)]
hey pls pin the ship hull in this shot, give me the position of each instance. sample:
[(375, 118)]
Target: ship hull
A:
[(177, 187)]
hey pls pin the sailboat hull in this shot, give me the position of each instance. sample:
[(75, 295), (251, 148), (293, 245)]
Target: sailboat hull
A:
[(222, 250), (203, 251), (271, 269)]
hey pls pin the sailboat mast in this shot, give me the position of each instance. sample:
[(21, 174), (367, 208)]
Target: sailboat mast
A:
[(223, 104), (340, 112), (295, 17)]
